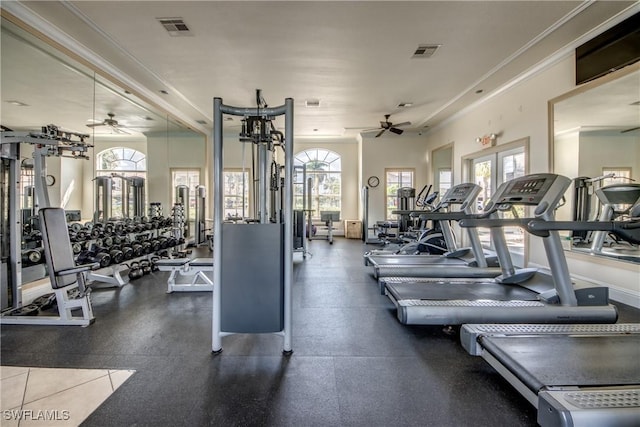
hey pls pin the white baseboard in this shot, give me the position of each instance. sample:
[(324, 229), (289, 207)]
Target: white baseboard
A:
[(625, 296), (616, 293)]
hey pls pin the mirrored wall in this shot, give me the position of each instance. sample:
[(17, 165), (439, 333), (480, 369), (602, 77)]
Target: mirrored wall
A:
[(595, 135), (130, 137)]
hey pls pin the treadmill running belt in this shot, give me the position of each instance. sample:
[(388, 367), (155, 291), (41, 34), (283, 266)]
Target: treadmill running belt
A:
[(565, 360), (459, 291), (420, 260)]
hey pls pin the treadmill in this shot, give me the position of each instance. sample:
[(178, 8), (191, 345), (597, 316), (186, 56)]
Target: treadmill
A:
[(516, 296), (463, 262), (597, 379), (575, 375)]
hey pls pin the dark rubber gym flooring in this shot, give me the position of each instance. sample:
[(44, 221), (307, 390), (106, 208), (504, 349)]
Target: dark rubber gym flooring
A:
[(353, 364)]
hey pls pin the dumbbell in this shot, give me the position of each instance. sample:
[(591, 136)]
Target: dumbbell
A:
[(107, 241), (76, 247), (117, 256), (102, 258), (31, 256), (96, 231), (109, 228), (138, 250), (127, 251)]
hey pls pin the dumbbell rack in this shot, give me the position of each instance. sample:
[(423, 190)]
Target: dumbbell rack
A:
[(117, 244)]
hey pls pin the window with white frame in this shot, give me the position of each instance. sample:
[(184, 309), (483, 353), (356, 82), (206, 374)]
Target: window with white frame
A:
[(236, 193), (445, 180), (395, 179), (617, 175), (121, 161), (190, 178), (324, 169)]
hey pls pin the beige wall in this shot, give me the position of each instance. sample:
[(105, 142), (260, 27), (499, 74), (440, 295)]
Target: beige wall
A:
[(176, 151), (391, 151), (520, 112)]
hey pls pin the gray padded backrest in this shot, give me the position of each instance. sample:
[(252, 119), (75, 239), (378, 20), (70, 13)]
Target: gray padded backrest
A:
[(57, 245)]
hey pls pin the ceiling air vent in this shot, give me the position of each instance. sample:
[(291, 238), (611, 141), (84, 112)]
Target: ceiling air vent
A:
[(175, 26), (312, 103), (426, 50)]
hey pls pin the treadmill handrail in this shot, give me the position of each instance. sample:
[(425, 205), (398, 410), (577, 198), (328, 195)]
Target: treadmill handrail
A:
[(445, 216), (497, 222), (611, 226), (626, 230)]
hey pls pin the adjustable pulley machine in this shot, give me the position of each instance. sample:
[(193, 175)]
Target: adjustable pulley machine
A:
[(256, 299), (132, 195), (103, 210), (51, 141)]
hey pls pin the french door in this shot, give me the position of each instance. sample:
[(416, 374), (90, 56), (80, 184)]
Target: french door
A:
[(489, 172)]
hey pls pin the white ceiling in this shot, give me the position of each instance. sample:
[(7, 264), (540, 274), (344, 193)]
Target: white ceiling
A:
[(355, 57)]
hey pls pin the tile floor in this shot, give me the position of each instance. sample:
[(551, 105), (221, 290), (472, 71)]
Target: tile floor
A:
[(54, 396)]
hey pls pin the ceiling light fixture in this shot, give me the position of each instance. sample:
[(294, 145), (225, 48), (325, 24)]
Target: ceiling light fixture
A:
[(479, 91), (164, 92), (405, 105), (202, 122), (312, 103)]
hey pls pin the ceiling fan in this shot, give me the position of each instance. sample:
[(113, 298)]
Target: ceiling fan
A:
[(387, 125), (110, 122)]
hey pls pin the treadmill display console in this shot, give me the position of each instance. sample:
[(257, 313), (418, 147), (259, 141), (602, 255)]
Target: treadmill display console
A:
[(459, 193), (531, 186), (527, 190)]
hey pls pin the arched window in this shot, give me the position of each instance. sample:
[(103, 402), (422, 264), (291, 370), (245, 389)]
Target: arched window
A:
[(324, 169), (120, 161)]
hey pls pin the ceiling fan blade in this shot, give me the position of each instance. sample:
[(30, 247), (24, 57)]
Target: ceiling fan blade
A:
[(118, 129), (380, 133), (92, 125), (401, 124), (396, 131)]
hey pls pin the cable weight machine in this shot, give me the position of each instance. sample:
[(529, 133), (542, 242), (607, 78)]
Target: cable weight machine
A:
[(49, 142), (258, 299)]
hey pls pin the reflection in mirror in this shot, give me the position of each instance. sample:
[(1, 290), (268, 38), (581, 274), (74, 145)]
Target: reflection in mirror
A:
[(130, 138), (442, 167), (596, 142)]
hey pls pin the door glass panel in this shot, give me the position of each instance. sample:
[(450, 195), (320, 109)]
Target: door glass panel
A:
[(513, 166), (482, 175)]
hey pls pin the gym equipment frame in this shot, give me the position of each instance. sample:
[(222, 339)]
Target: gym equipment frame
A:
[(187, 267), (256, 299)]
